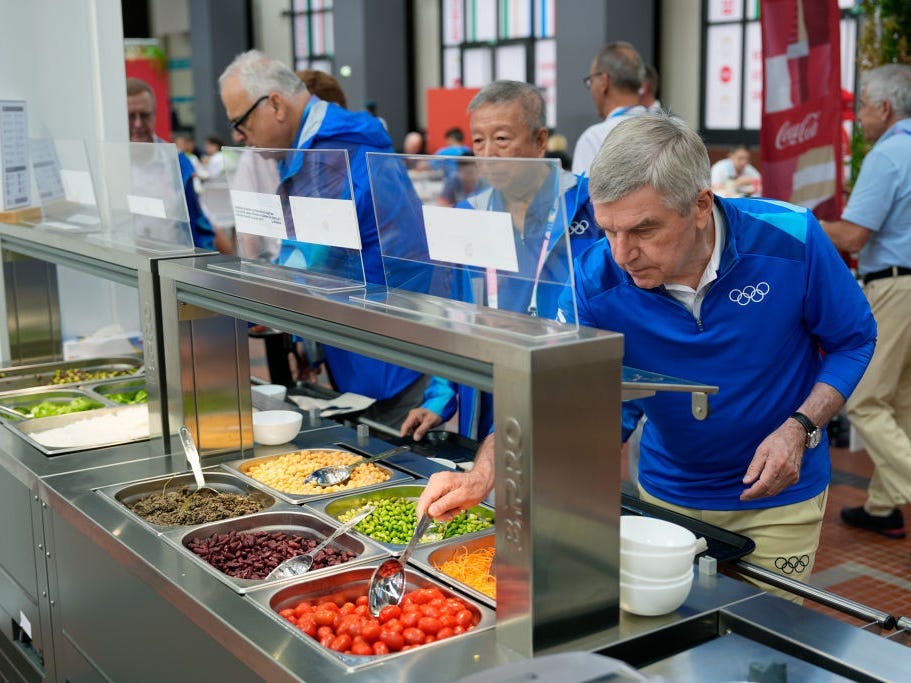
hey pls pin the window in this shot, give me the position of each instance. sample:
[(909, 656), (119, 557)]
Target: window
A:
[(311, 32), (732, 68), (487, 40)]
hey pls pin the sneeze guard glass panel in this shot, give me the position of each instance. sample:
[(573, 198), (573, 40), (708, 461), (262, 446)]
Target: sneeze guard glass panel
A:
[(145, 193), (487, 245), (295, 218), (65, 187)]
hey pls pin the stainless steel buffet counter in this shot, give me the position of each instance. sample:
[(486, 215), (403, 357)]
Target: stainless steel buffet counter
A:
[(90, 593)]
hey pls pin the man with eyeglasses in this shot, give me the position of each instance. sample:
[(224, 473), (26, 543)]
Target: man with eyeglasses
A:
[(614, 81), (141, 113), (271, 108)]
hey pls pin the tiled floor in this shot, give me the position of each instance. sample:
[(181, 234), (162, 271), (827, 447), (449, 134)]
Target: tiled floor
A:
[(856, 564)]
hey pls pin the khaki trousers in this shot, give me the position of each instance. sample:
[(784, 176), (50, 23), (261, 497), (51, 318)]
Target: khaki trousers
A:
[(880, 407), (786, 537)]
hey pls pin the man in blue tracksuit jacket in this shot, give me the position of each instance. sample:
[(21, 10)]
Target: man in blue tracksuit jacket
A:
[(507, 120), (270, 107), (749, 295)]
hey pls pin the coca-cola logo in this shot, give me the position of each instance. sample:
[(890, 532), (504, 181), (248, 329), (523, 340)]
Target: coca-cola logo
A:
[(790, 134)]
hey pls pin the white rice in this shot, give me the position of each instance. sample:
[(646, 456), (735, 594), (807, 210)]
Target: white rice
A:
[(119, 425)]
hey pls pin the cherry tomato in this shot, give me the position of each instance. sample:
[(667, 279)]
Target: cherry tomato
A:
[(410, 619), (445, 632), (328, 605), (464, 618), (308, 625), (429, 625), (394, 641), (439, 603), (362, 610), (390, 612), (326, 640), (458, 629), (303, 608), (362, 600), (370, 631), (324, 617), (287, 613), (422, 596), (361, 649), (324, 630), (393, 625), (431, 611), (447, 619), (429, 638), (413, 636), (341, 643), (347, 608), (380, 648)]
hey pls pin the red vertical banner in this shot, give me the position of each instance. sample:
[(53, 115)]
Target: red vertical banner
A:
[(801, 135)]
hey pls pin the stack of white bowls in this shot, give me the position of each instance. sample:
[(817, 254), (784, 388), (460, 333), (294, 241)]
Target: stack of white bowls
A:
[(656, 565)]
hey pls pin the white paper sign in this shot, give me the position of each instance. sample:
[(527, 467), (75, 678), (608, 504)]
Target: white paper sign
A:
[(471, 238), (258, 213), (15, 179), (330, 222), (146, 206), (46, 167), (78, 186)]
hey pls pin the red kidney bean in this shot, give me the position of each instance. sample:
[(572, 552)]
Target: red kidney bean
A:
[(252, 555)]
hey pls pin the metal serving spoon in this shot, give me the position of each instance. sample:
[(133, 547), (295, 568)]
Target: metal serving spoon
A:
[(336, 474), (300, 564), (387, 585), (189, 448)]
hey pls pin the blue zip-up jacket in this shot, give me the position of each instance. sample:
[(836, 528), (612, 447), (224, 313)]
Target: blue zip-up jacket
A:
[(783, 294), (203, 232), (326, 125), (475, 407)]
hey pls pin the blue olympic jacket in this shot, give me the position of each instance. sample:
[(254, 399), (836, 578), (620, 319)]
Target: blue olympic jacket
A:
[(784, 313), (203, 232), (476, 407), (326, 125)]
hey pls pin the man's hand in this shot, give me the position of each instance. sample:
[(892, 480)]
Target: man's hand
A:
[(776, 464), (418, 422), (448, 493)]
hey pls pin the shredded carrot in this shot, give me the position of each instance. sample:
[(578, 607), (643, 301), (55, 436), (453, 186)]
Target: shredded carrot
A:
[(474, 569)]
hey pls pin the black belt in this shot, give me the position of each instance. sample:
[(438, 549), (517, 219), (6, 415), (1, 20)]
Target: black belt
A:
[(893, 271)]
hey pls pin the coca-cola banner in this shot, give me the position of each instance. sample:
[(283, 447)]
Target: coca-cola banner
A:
[(801, 109)]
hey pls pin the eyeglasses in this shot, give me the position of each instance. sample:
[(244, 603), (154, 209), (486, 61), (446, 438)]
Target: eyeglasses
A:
[(587, 81), (239, 121), (144, 116)]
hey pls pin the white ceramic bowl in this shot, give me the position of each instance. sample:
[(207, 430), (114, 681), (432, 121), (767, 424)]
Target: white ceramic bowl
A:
[(651, 601), (272, 427), (652, 535), (275, 391), (666, 564), (641, 580)]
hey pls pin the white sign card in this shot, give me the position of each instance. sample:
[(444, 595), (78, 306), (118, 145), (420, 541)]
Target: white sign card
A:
[(146, 206), (258, 213), (46, 166), (723, 73), (78, 186), (471, 238), (15, 180), (330, 222)]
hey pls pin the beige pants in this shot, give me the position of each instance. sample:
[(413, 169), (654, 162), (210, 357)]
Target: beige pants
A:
[(786, 537), (880, 407)]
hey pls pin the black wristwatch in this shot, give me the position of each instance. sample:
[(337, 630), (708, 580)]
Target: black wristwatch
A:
[(814, 433)]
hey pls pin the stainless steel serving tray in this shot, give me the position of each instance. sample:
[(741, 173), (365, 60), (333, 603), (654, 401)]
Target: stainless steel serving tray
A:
[(118, 385), (26, 398), (429, 558), (242, 467), (123, 495), (282, 517), (27, 427), (347, 584), (342, 503), (40, 374)]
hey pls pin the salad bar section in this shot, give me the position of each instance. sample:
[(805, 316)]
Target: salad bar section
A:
[(119, 565)]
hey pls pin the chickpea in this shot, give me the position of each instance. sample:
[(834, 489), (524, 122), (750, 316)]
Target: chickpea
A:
[(287, 472)]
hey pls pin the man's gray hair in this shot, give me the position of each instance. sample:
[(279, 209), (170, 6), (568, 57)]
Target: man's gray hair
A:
[(889, 82), (260, 75), (504, 92), (652, 149), (622, 64)]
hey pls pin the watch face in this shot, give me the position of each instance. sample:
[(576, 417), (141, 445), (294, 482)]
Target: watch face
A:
[(814, 437)]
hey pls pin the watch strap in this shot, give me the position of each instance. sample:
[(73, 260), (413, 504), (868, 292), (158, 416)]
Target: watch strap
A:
[(805, 422)]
